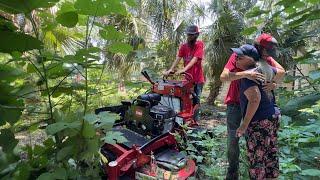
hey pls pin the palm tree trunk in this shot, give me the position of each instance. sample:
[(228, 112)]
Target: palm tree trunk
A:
[(214, 88)]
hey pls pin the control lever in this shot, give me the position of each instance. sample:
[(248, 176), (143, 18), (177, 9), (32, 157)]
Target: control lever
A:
[(146, 75)]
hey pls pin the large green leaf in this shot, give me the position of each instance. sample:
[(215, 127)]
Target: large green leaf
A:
[(66, 7), (25, 6), (103, 120), (11, 41), (99, 7), (60, 173), (107, 120), (57, 127), (64, 152), (91, 118), (119, 47), (92, 144), (88, 130), (82, 55), (10, 109), (294, 105), (113, 137), (314, 75), (7, 140), (110, 33), (68, 19), (311, 172), (56, 70), (8, 73), (46, 176)]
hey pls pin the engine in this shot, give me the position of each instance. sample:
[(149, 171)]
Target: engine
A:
[(147, 116)]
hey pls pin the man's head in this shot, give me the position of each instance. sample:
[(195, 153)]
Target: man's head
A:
[(247, 55), (267, 45), (192, 32)]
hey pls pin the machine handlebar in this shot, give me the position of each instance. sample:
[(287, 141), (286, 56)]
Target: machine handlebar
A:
[(187, 76)]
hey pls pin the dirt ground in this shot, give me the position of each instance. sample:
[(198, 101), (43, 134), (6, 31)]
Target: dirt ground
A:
[(212, 116)]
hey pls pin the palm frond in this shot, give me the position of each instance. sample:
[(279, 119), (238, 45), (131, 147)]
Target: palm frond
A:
[(224, 34)]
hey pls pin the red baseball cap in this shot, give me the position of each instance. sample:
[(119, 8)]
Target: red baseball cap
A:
[(268, 42)]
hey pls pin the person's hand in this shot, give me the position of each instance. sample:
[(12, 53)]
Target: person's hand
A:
[(166, 73), (241, 130), (269, 86), (180, 72), (254, 76)]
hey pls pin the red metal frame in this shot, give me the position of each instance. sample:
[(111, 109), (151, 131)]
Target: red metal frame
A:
[(183, 90), (129, 160), (135, 157)]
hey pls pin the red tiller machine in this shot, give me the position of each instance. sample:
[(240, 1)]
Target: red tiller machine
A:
[(148, 123)]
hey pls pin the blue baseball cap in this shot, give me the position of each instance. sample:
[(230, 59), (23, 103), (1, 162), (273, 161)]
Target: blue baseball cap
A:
[(248, 50)]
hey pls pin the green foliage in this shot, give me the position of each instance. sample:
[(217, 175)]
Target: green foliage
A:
[(23, 6), (249, 31), (120, 48), (55, 75), (10, 106), (59, 126), (299, 147), (314, 75), (37, 79), (208, 148), (113, 137), (294, 105), (110, 33), (255, 11), (7, 146), (13, 41), (68, 19), (99, 7)]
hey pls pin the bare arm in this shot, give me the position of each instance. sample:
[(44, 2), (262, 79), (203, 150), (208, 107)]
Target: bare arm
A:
[(175, 63), (190, 64), (171, 70), (279, 75), (226, 75), (254, 96), (280, 71), (275, 64)]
